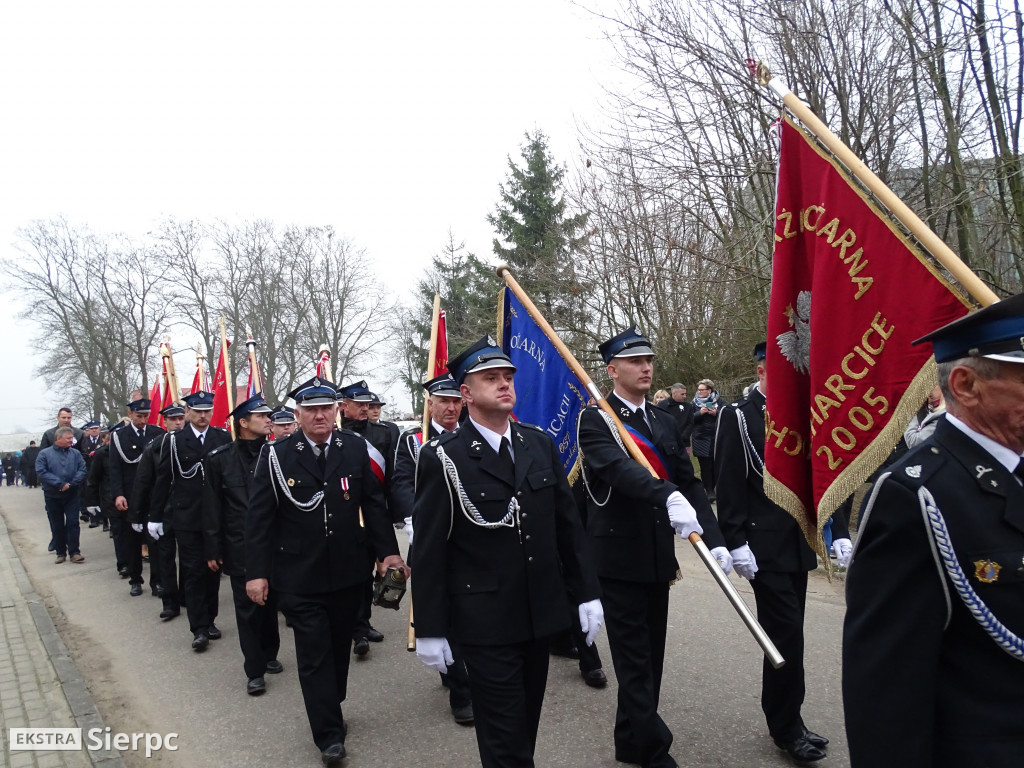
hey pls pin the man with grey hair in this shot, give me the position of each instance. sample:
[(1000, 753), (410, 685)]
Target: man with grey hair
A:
[(933, 641), (61, 471)]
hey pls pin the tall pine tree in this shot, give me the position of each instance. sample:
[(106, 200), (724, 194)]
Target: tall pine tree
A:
[(538, 240)]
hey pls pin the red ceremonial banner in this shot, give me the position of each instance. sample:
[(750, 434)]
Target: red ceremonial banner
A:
[(441, 353), (221, 404), (850, 292), (155, 399)]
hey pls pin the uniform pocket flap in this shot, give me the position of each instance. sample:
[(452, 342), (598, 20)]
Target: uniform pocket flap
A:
[(486, 492), (541, 479), (290, 547), (473, 584), (611, 528)]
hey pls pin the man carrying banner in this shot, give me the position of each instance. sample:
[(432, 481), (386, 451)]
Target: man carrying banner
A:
[(933, 643), (631, 519), (444, 400), (768, 548), (499, 548), (304, 540)]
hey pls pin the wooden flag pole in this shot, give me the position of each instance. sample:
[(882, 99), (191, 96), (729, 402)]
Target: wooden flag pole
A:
[(254, 366), (172, 377), (932, 242), (431, 362), (698, 544), (229, 382)]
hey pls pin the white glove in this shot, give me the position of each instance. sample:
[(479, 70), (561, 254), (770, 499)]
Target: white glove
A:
[(721, 554), (844, 551), (435, 653), (408, 529), (743, 561), (591, 619), (682, 515), (156, 530), (137, 527), (93, 510)]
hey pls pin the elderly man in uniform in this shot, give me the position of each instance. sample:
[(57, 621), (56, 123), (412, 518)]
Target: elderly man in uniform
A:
[(317, 520), (229, 472), (631, 519), (126, 447), (163, 575), (282, 421), (499, 549), (768, 548), (177, 504), (933, 643), (444, 401)]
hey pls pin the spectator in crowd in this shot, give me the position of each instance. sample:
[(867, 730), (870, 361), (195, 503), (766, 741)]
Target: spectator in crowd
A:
[(681, 408), (28, 465), (61, 470), (924, 422), (10, 473), (705, 421), (63, 420), (660, 395)]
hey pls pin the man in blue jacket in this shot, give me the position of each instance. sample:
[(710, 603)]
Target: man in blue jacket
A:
[(61, 472)]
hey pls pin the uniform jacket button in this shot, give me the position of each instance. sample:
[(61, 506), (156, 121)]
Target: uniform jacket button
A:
[(529, 559)]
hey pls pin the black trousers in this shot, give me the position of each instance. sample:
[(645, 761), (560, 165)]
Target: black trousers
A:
[(322, 624), (131, 551), (117, 524), (362, 626), (636, 619), (201, 584), (707, 473), (258, 635), (507, 683), (781, 598), (167, 546), (457, 681)]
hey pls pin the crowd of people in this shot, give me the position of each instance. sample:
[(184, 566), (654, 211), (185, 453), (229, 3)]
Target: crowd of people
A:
[(300, 508)]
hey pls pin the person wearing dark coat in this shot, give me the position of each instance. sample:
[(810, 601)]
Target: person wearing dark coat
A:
[(499, 550), (10, 472), (304, 539), (126, 447), (356, 400), (229, 471), (633, 518), (768, 548), (96, 495), (88, 445), (28, 465), (163, 576), (64, 416), (176, 504), (444, 401), (933, 639), (677, 404), (705, 422)]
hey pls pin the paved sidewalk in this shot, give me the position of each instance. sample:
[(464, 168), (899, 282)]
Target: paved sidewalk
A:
[(40, 686)]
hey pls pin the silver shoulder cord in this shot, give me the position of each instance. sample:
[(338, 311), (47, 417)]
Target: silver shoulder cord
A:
[(125, 459), (1004, 638), (583, 464), (751, 450), (275, 468), (197, 467), (511, 518)]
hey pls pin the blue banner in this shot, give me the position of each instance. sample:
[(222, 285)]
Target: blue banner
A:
[(548, 393)]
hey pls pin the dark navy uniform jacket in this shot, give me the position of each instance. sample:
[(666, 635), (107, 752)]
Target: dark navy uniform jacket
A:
[(324, 548), (505, 585), (177, 501), (122, 468), (630, 534), (923, 684)]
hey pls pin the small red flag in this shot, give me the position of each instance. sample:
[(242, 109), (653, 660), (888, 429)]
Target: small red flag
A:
[(221, 405), (441, 353), (154, 404)]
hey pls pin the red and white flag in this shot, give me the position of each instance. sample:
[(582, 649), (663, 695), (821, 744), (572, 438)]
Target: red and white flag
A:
[(850, 292), (377, 462)]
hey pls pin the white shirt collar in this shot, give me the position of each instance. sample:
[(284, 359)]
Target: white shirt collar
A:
[(1001, 453), (493, 438), (634, 407), (197, 433), (438, 428), (313, 443)]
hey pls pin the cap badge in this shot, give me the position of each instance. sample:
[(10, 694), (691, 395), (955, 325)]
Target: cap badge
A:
[(475, 444), (981, 471), (491, 341), (291, 481), (914, 471), (986, 571)]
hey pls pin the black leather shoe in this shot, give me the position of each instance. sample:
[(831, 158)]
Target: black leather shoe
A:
[(801, 750), (169, 612), (819, 741), (565, 651), (106, 528), (374, 636), (361, 647), (274, 667), (333, 755), (213, 633), (123, 571), (199, 641), (256, 686), (463, 715), (595, 678), (157, 590), (94, 523), (136, 590)]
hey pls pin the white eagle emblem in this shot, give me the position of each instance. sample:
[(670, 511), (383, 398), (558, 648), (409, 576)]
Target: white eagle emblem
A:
[(914, 471), (795, 345)]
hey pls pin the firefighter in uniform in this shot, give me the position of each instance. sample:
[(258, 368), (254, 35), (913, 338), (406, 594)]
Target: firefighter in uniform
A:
[(630, 523), (768, 548), (282, 421), (933, 641), (177, 505), (444, 401), (229, 472), (317, 520), (499, 547)]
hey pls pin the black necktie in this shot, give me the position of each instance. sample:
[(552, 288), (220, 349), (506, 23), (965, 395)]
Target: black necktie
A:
[(506, 461), (321, 455), (642, 425), (202, 436)]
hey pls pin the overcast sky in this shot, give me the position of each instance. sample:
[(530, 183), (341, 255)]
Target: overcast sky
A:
[(393, 122)]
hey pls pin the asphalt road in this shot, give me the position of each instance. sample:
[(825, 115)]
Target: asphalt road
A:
[(145, 677)]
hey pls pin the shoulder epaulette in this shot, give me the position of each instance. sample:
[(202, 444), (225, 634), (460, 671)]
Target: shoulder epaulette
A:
[(919, 465), (447, 437), (529, 426), (219, 449)]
